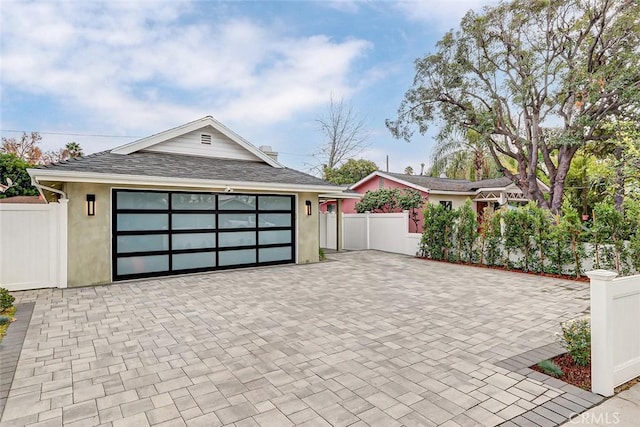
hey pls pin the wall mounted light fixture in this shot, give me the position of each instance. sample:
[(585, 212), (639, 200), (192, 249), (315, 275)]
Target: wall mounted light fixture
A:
[(308, 205), (91, 204)]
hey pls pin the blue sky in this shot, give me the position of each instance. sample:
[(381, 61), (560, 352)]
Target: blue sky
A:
[(74, 70)]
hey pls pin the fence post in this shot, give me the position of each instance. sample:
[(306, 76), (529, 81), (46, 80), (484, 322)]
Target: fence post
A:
[(601, 332), (368, 216), (62, 236)]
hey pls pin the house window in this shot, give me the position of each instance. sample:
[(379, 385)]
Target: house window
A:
[(447, 204)]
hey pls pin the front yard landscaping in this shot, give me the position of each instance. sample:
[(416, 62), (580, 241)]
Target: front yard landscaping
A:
[(7, 311)]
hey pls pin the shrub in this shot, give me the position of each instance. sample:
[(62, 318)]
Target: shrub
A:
[(466, 232), (321, 255), (6, 300), (550, 368), (5, 320), (576, 338)]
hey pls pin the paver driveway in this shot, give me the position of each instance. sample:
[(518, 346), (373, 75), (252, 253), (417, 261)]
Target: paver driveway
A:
[(365, 339)]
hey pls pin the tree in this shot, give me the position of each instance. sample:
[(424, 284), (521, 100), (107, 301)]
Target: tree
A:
[(345, 134), (462, 157), (15, 169), (350, 172), (73, 150), (408, 170), (518, 68), (25, 148), (384, 200)]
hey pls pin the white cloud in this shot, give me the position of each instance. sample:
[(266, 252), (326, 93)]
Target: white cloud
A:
[(141, 66), (444, 14)]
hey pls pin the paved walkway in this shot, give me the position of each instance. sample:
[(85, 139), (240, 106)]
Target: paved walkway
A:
[(621, 410), (364, 339)]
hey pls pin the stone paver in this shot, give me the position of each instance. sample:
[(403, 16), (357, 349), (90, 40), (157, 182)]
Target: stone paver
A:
[(366, 338)]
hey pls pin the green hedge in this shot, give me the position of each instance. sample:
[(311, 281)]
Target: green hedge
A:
[(532, 239)]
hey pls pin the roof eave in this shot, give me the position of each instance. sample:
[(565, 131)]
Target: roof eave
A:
[(122, 179)]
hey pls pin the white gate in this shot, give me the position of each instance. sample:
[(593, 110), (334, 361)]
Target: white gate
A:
[(328, 230), (33, 245)]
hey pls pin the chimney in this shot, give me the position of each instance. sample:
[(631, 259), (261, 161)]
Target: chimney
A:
[(266, 149)]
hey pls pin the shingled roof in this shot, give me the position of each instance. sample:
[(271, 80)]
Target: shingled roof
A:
[(446, 184), (165, 165)]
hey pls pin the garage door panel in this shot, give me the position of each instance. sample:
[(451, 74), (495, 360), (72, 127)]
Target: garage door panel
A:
[(192, 221), (143, 264), (237, 257), (236, 238), (274, 220), (142, 200), (194, 260), (274, 237), (236, 202), (143, 243), (193, 241), (275, 203), (167, 232), (193, 201), (274, 254), (243, 220), (142, 222)]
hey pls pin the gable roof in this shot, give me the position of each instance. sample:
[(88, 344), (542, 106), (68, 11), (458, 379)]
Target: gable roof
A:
[(430, 184), (203, 123)]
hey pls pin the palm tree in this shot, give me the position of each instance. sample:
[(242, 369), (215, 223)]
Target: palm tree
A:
[(73, 150), (464, 158)]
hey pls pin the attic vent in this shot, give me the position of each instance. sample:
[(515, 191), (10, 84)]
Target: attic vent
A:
[(205, 138)]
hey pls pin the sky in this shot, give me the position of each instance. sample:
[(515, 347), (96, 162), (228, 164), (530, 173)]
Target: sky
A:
[(107, 73)]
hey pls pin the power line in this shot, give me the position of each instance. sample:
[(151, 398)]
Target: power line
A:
[(70, 134)]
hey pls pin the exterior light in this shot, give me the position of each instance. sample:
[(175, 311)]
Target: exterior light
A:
[(308, 205), (91, 204)]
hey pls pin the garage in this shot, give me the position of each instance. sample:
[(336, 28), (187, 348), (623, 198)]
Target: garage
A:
[(194, 198), (159, 233)]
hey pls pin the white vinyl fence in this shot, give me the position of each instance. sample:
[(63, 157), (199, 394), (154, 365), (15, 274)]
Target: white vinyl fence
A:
[(33, 245), (615, 339), (328, 230), (380, 231)]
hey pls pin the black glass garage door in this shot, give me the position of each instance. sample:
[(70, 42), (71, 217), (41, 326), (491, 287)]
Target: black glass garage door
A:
[(158, 233)]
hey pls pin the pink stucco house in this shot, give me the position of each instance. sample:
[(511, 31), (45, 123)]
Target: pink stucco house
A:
[(452, 193)]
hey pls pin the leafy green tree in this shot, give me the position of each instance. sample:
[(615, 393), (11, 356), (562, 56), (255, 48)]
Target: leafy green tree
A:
[(608, 228), (383, 200), (390, 200), (541, 234), (515, 67), (490, 237), (634, 250), (437, 238), (411, 200), (571, 228), (15, 168), (466, 232), (349, 172), (559, 252)]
